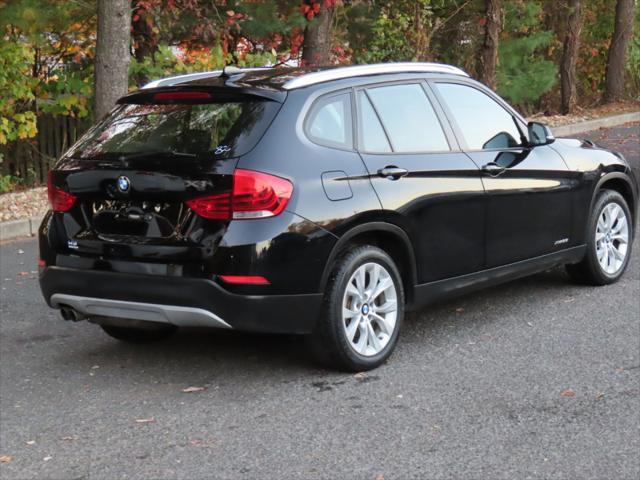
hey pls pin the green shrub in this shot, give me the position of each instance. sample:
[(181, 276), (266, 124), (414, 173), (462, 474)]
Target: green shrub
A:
[(7, 183)]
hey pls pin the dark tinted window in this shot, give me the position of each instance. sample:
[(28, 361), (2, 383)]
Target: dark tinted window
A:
[(408, 118), (329, 122), (372, 136), (485, 124), (230, 128)]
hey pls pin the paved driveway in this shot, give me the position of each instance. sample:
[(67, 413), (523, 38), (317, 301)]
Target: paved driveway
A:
[(534, 379)]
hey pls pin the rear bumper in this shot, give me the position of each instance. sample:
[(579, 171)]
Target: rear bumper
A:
[(177, 300)]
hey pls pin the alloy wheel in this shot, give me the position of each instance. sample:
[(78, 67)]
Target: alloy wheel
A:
[(369, 309), (612, 238)]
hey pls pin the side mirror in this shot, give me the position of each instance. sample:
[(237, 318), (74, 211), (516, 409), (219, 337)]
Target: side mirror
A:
[(539, 134)]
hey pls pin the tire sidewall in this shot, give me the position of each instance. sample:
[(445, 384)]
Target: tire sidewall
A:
[(605, 198), (348, 266)]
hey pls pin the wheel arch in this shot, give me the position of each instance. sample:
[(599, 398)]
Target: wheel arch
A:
[(621, 183), (387, 236)]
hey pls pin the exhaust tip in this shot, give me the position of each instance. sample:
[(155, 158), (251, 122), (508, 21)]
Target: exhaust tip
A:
[(70, 314)]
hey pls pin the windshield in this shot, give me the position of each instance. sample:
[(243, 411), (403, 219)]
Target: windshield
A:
[(224, 129)]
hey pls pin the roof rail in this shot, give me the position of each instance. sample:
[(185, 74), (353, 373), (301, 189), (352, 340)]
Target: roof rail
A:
[(170, 81), (374, 69)]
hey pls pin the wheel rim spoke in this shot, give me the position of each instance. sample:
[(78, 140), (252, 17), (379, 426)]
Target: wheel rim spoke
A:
[(384, 328), (352, 328), (383, 284), (360, 281)]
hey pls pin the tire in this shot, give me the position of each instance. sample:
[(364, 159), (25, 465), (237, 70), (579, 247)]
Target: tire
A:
[(590, 270), (330, 343), (152, 333)]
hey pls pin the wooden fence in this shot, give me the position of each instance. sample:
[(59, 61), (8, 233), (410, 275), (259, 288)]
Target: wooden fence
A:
[(30, 160)]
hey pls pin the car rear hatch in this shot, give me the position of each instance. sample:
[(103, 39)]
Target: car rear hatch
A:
[(124, 191)]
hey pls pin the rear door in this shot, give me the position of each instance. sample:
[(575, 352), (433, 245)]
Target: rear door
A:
[(422, 178), (528, 189)]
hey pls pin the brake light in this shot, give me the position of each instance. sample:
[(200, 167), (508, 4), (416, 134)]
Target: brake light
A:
[(259, 195), (244, 279), (254, 195), (213, 207), (178, 96), (59, 200)]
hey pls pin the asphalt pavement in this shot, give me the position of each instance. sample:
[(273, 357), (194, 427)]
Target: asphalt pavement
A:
[(538, 378)]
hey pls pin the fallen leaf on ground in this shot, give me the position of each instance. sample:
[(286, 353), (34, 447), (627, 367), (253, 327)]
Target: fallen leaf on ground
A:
[(67, 439), (600, 396), (5, 458), (193, 389), (360, 376), (145, 420), (380, 477), (23, 274), (568, 393)]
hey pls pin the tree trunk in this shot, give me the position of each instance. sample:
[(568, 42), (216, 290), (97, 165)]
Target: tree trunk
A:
[(316, 48), (113, 52), (623, 30), (570, 56), (488, 59)]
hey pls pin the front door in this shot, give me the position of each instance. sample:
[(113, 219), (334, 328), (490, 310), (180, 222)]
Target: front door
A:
[(423, 180), (529, 199)]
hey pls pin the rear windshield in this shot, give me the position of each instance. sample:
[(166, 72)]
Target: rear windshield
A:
[(222, 129)]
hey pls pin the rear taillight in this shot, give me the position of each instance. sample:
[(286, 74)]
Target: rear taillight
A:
[(213, 207), (254, 195), (59, 200)]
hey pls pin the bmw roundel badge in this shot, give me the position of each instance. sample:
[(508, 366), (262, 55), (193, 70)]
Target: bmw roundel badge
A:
[(123, 184)]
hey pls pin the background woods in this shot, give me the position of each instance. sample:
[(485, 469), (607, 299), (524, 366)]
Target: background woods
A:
[(62, 63)]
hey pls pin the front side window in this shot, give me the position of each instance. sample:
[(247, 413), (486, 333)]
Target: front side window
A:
[(329, 122), (408, 118), (484, 123)]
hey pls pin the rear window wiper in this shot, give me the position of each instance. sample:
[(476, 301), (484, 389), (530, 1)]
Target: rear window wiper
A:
[(163, 153)]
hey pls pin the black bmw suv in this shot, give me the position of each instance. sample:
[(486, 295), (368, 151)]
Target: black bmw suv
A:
[(324, 202)]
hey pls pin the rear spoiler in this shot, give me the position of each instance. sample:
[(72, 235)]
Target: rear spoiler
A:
[(193, 94)]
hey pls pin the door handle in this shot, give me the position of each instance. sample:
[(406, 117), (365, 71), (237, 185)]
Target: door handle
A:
[(493, 169), (392, 172)]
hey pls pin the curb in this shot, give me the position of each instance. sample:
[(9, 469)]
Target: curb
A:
[(589, 125), (20, 228)]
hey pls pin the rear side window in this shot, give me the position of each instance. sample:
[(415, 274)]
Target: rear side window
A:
[(222, 129), (329, 121), (408, 118), (372, 136), (484, 123)]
